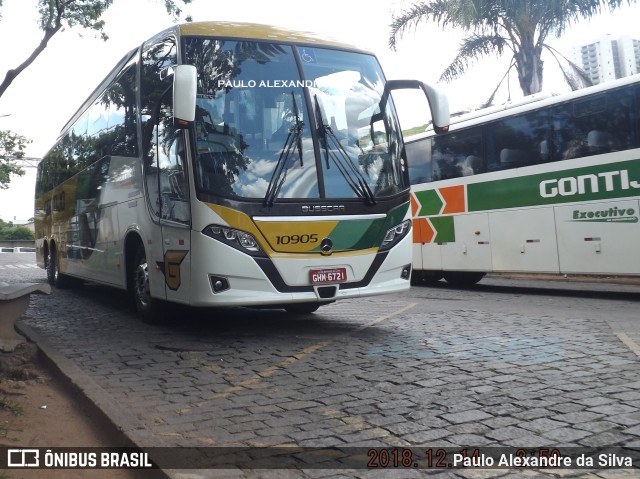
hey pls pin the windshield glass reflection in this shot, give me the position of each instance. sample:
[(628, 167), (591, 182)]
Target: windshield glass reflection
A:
[(348, 88), (245, 111), (254, 130)]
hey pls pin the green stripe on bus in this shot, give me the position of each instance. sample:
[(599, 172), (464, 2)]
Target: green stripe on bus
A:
[(354, 235), (443, 226), (365, 233), (612, 180), (396, 215), (430, 202)]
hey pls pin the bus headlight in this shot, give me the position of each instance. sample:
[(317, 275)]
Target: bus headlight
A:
[(395, 234), (237, 239)]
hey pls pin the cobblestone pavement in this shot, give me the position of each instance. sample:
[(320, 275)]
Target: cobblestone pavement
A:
[(506, 364)]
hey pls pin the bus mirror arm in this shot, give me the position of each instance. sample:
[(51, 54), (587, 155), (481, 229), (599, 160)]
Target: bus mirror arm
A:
[(438, 102), (184, 95)]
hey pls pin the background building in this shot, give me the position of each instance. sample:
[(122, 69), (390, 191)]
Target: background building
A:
[(609, 58)]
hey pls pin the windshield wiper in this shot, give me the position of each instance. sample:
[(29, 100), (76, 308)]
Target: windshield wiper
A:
[(279, 176), (350, 172)]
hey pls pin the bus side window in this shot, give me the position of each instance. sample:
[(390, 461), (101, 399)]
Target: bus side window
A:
[(459, 153), (599, 142), (520, 141), (169, 146), (156, 58), (419, 160), (444, 162), (122, 113)]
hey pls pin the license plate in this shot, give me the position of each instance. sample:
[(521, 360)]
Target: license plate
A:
[(323, 276)]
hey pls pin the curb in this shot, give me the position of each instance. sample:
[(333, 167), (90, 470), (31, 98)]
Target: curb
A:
[(569, 278), (125, 424)]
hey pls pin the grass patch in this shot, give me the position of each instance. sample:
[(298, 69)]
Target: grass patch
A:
[(11, 406)]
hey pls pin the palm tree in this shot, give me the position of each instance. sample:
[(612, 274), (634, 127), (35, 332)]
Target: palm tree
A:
[(519, 26)]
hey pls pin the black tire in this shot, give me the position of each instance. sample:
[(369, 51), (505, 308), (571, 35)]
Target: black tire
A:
[(54, 277), (425, 278), (302, 308), (51, 268), (146, 306), (463, 278)]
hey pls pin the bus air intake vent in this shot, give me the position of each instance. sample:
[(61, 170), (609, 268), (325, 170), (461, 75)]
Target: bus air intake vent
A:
[(326, 292)]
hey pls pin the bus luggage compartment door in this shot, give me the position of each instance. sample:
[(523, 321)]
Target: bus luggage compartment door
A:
[(599, 237)]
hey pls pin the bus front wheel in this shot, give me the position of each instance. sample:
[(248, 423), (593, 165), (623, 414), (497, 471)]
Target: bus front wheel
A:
[(146, 306), (463, 278), (424, 277)]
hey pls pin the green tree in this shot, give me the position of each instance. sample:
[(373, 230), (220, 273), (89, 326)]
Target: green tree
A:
[(12, 147), (9, 232), (495, 26)]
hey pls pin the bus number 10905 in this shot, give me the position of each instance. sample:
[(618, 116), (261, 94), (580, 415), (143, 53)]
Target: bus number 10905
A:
[(297, 239)]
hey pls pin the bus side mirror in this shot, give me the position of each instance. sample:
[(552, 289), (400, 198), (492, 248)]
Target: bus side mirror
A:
[(438, 103), (439, 107), (184, 95)]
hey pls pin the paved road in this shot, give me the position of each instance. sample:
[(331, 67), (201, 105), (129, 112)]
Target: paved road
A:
[(510, 363)]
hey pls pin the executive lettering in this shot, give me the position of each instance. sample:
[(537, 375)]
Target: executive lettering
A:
[(614, 212)]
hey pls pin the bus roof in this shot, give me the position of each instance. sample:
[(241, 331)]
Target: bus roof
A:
[(225, 30), (259, 32), (533, 102)]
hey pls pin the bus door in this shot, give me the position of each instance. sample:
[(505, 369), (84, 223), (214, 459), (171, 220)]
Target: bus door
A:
[(173, 206)]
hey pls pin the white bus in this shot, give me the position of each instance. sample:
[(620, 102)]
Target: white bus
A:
[(233, 164), (550, 185)]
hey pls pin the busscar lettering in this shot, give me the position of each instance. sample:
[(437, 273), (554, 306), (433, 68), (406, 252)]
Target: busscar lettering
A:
[(323, 208), (585, 184)]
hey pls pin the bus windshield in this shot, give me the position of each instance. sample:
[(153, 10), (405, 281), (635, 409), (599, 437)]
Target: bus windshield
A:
[(258, 117)]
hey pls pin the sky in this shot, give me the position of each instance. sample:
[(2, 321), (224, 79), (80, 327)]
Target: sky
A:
[(46, 94)]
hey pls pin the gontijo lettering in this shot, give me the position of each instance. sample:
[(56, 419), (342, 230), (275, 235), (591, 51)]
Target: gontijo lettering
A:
[(591, 183)]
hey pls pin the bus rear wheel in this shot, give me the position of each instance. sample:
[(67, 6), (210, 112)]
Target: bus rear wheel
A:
[(146, 306), (54, 277), (463, 278)]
